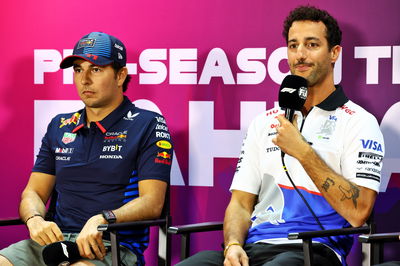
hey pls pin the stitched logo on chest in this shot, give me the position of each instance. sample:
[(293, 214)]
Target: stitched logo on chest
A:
[(129, 116), (68, 137), (112, 148), (64, 150), (116, 136), (327, 129), (118, 157), (271, 149), (73, 120)]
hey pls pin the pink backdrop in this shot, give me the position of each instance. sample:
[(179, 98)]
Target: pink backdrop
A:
[(200, 57)]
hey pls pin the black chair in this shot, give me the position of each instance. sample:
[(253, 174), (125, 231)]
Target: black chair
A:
[(376, 242), (185, 232), (164, 239), (307, 237), (164, 250)]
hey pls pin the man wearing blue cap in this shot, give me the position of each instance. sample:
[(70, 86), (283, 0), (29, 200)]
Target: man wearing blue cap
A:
[(109, 162)]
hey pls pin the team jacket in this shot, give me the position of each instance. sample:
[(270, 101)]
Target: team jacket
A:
[(98, 168), (343, 134)]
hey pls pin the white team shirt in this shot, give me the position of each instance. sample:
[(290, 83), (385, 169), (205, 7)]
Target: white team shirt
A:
[(342, 133)]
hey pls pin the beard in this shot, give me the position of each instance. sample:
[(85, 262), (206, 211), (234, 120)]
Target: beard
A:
[(316, 75)]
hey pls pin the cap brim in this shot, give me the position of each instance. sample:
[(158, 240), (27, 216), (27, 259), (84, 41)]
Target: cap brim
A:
[(99, 61)]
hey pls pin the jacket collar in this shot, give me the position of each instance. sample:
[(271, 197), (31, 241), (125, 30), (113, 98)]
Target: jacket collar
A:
[(105, 124), (336, 99)]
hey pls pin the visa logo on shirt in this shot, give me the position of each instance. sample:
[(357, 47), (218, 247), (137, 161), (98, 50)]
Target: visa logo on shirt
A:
[(371, 145)]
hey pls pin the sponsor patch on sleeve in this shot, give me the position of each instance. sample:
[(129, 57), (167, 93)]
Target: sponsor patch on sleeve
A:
[(164, 144)]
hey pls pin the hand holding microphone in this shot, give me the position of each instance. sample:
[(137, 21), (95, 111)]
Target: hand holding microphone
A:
[(89, 244), (292, 96)]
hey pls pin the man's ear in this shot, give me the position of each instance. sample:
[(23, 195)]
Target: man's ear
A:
[(121, 75), (335, 52)]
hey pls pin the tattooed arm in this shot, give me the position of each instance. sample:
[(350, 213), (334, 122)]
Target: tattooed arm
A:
[(351, 201)]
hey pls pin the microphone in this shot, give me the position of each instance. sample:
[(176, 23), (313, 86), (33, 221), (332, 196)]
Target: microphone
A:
[(62, 253), (292, 95)]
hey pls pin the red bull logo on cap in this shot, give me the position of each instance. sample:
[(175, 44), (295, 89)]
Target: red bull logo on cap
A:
[(86, 43)]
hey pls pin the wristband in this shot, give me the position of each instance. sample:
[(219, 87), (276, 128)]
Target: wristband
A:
[(109, 216), (30, 217), (229, 245)]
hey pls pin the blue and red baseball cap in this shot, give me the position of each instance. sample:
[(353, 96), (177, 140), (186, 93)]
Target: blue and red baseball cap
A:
[(98, 48)]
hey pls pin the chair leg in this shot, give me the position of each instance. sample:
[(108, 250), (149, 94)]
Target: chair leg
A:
[(164, 247), (115, 256), (307, 249), (376, 253), (168, 250), (185, 244), (366, 254)]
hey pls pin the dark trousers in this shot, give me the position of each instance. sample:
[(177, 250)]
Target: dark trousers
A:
[(269, 255)]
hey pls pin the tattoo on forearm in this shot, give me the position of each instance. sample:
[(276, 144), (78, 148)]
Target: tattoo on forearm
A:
[(328, 182), (352, 193)]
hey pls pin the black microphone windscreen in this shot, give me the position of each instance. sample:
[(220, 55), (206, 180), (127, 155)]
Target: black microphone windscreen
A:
[(62, 251), (293, 92)]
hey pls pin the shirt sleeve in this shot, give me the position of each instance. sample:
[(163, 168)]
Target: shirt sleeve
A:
[(363, 152), (156, 151), (247, 177), (45, 160)]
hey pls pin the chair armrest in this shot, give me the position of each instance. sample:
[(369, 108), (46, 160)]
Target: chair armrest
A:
[(331, 232), (186, 230), (383, 237), (129, 225), (11, 221), (194, 228)]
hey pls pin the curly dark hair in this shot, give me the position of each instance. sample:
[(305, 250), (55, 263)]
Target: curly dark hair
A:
[(333, 32)]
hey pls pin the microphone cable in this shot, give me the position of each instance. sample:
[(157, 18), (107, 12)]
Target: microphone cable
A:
[(334, 243)]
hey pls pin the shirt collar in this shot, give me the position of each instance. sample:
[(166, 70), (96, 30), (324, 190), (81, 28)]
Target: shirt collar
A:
[(110, 119), (336, 99)]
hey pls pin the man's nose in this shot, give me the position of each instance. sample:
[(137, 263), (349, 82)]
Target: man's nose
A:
[(85, 78), (301, 53)]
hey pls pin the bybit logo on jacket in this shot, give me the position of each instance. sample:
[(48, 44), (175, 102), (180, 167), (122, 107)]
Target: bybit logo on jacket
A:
[(112, 148)]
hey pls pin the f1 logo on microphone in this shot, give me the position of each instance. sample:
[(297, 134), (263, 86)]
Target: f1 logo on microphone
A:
[(290, 90)]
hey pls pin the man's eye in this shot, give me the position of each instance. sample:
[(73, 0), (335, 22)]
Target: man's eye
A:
[(312, 45), (96, 69), (77, 70), (292, 46)]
